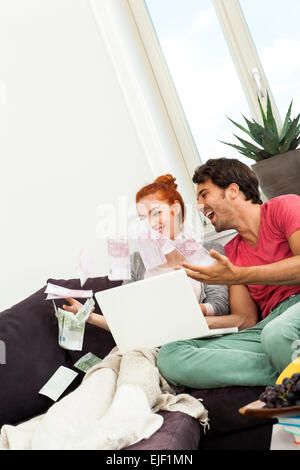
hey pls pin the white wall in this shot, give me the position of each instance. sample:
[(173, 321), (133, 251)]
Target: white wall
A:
[(67, 142)]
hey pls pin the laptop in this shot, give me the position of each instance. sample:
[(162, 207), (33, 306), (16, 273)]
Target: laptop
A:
[(155, 311)]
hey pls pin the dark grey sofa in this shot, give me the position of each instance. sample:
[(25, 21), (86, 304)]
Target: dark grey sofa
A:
[(29, 330)]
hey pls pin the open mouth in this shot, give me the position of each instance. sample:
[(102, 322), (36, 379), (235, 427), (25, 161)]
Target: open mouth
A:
[(210, 215)]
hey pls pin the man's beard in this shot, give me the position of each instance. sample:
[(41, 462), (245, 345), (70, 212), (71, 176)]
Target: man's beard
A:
[(220, 225)]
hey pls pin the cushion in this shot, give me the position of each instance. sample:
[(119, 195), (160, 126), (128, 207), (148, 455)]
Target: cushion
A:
[(179, 431), (223, 405), (30, 332)]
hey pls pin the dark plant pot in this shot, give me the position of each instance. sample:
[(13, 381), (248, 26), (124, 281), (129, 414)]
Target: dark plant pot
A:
[(280, 174)]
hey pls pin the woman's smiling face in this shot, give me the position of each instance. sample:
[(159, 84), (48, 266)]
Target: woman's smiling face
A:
[(162, 216)]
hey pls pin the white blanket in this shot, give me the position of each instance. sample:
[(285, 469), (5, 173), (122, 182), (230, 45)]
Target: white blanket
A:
[(113, 407)]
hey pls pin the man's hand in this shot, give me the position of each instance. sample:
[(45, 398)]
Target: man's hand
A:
[(221, 272)]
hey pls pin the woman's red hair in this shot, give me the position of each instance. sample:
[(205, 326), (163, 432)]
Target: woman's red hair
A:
[(166, 189)]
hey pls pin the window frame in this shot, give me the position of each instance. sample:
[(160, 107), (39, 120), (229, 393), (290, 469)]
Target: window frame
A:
[(245, 57)]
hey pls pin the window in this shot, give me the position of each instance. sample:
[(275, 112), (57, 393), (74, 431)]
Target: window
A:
[(204, 75), (274, 26)]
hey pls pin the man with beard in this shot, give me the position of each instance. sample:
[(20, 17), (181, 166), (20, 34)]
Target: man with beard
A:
[(262, 261)]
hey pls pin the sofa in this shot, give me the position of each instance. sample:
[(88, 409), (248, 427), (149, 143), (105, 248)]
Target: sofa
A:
[(30, 332)]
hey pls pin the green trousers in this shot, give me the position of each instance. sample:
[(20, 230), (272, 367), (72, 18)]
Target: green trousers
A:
[(255, 356)]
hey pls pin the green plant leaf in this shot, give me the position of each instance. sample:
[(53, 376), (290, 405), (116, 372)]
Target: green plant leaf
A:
[(296, 120), (239, 126), (293, 127), (291, 133), (294, 144), (286, 122), (270, 142), (285, 147), (248, 145), (237, 147), (271, 123), (256, 130), (264, 118), (266, 136), (244, 151)]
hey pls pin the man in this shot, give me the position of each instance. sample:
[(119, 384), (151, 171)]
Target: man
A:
[(262, 261)]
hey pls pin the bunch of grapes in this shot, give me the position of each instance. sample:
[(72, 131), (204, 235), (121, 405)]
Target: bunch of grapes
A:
[(283, 395)]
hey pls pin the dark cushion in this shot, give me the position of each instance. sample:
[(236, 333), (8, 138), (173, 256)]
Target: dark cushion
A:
[(223, 405), (30, 332), (257, 438), (179, 431)]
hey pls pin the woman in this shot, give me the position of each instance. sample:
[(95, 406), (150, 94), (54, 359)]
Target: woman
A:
[(162, 205)]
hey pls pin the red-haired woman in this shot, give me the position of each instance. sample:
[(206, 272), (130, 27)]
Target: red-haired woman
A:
[(162, 205)]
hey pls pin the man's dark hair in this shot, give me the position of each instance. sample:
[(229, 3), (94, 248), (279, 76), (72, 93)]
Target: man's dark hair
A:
[(224, 171)]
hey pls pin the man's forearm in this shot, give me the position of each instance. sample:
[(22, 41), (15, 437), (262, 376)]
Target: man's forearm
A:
[(283, 273)]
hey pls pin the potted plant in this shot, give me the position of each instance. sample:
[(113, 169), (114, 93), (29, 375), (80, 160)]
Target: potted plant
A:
[(276, 154)]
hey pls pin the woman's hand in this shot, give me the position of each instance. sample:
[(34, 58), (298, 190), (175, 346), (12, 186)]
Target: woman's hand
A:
[(94, 318), (203, 308), (75, 307)]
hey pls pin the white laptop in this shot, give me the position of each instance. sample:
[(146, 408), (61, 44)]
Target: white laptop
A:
[(155, 311)]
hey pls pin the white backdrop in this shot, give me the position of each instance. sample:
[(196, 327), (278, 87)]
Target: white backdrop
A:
[(67, 142)]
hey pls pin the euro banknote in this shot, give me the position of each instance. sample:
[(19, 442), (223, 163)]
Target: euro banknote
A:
[(118, 259), (87, 361), (58, 383), (59, 292), (71, 327), (150, 246), (194, 252), (84, 266)]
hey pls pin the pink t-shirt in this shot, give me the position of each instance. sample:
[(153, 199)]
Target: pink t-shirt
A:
[(280, 218)]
